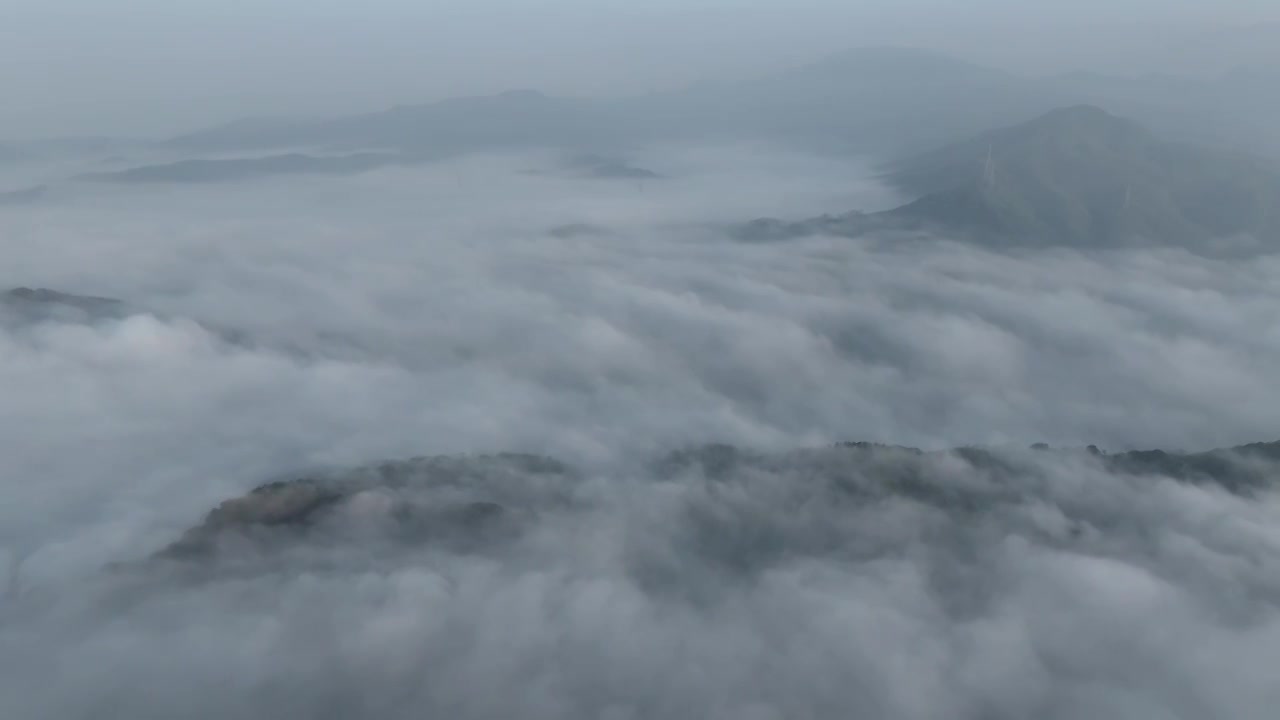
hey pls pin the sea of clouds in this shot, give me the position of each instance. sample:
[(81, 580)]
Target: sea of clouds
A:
[(293, 323)]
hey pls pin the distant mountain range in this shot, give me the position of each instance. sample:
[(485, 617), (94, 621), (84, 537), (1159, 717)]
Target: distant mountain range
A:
[(861, 100), (1076, 176), (881, 100), (878, 102)]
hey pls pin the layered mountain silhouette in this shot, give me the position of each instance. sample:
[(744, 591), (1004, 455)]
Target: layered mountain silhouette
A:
[(879, 100), (876, 101), (1076, 176), (863, 99)]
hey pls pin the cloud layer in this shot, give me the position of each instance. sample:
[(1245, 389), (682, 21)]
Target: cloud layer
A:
[(431, 310)]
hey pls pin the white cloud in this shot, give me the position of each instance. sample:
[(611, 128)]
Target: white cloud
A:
[(429, 311)]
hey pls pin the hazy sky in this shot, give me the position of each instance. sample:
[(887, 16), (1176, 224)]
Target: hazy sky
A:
[(155, 67)]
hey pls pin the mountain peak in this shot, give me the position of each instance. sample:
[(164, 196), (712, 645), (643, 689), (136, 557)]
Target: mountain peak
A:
[(1083, 111), (1079, 175), (1075, 123), (1082, 116), (1076, 176)]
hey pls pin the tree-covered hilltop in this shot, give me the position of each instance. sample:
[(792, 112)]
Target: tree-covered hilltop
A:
[(474, 502)]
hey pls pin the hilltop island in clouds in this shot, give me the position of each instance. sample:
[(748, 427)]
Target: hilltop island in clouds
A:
[(1078, 177)]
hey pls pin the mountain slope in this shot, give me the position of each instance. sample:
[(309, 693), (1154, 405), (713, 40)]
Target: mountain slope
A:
[(1077, 176), (1082, 176), (871, 100)]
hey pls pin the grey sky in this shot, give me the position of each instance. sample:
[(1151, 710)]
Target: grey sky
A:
[(154, 67)]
